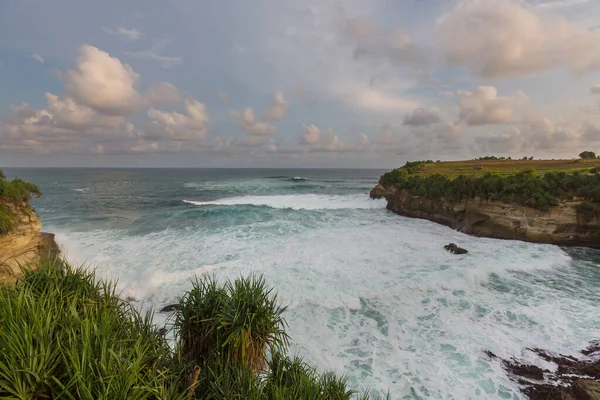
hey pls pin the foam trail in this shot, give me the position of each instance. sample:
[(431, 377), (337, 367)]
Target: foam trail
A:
[(299, 202)]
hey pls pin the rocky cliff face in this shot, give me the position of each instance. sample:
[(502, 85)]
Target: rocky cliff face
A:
[(23, 245), (561, 225)]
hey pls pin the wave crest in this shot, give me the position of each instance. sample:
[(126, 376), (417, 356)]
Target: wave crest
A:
[(298, 202)]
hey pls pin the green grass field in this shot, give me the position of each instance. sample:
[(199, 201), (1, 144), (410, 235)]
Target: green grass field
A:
[(452, 169)]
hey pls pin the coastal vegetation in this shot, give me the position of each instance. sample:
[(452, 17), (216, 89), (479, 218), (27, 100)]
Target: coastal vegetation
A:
[(13, 194), (525, 187), (65, 334)]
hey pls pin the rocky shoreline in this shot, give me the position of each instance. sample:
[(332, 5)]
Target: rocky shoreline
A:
[(562, 225), (570, 379), (25, 245)]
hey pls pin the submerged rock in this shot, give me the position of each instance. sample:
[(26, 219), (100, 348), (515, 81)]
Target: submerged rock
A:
[(452, 248), (170, 308)]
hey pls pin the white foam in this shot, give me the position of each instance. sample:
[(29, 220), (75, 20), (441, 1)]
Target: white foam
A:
[(371, 294), (299, 202)]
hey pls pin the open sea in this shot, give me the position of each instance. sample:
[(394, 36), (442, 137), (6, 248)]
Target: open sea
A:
[(371, 294)]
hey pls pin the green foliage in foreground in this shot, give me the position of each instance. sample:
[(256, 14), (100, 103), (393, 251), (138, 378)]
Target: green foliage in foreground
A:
[(63, 334), (525, 188), (13, 194)]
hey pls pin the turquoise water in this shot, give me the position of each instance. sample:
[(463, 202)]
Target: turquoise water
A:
[(370, 294)]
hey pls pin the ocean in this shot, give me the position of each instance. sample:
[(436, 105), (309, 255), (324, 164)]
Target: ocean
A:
[(371, 294)]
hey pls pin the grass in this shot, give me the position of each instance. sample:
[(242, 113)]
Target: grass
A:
[(66, 335), (453, 169)]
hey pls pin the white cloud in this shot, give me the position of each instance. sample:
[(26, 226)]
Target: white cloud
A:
[(103, 83), (509, 38), (279, 109), (561, 3), (163, 94), (37, 57), (378, 100), (250, 124), (130, 34), (152, 53), (310, 135), (483, 106), (189, 126)]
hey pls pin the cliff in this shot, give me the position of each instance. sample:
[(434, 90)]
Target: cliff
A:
[(560, 225), (24, 244)]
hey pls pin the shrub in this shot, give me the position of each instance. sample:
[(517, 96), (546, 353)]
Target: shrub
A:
[(587, 155), (238, 322), (73, 338), (6, 220), (13, 192), (63, 334)]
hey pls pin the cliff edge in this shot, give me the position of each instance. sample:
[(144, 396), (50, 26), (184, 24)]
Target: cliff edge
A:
[(25, 244), (560, 225)]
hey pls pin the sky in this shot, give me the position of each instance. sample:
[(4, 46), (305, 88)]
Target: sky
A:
[(289, 83)]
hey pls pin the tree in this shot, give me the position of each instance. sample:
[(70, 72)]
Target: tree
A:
[(586, 155)]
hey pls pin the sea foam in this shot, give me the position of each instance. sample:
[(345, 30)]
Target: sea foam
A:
[(298, 202)]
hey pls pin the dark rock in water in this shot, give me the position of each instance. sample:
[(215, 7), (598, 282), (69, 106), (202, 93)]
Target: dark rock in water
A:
[(170, 308), (525, 370), (573, 379), (452, 248), (162, 332), (594, 347)]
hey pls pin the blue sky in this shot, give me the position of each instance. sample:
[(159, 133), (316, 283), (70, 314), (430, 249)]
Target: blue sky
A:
[(276, 83)]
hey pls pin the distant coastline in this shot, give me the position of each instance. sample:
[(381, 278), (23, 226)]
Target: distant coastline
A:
[(472, 196)]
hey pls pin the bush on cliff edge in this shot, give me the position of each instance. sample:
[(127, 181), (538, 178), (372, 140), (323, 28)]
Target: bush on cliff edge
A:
[(64, 334)]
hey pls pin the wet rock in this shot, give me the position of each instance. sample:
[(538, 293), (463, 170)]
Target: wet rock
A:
[(594, 347), (574, 379), (525, 370), (586, 390), (170, 308), (452, 248)]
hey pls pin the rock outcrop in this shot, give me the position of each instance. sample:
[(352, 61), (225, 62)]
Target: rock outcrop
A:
[(25, 244), (570, 379), (561, 225), (454, 249)]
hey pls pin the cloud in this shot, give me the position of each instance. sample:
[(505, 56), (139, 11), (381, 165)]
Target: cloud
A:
[(103, 83), (189, 126), (561, 3), (373, 99), (421, 116), (328, 141), (446, 94), (397, 47), (250, 124), (279, 109), (496, 39), (483, 106), (595, 89), (591, 132), (310, 135), (37, 57), (163, 94), (130, 34), (152, 53), (500, 143)]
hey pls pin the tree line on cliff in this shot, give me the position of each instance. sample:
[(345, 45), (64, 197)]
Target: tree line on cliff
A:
[(524, 187)]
